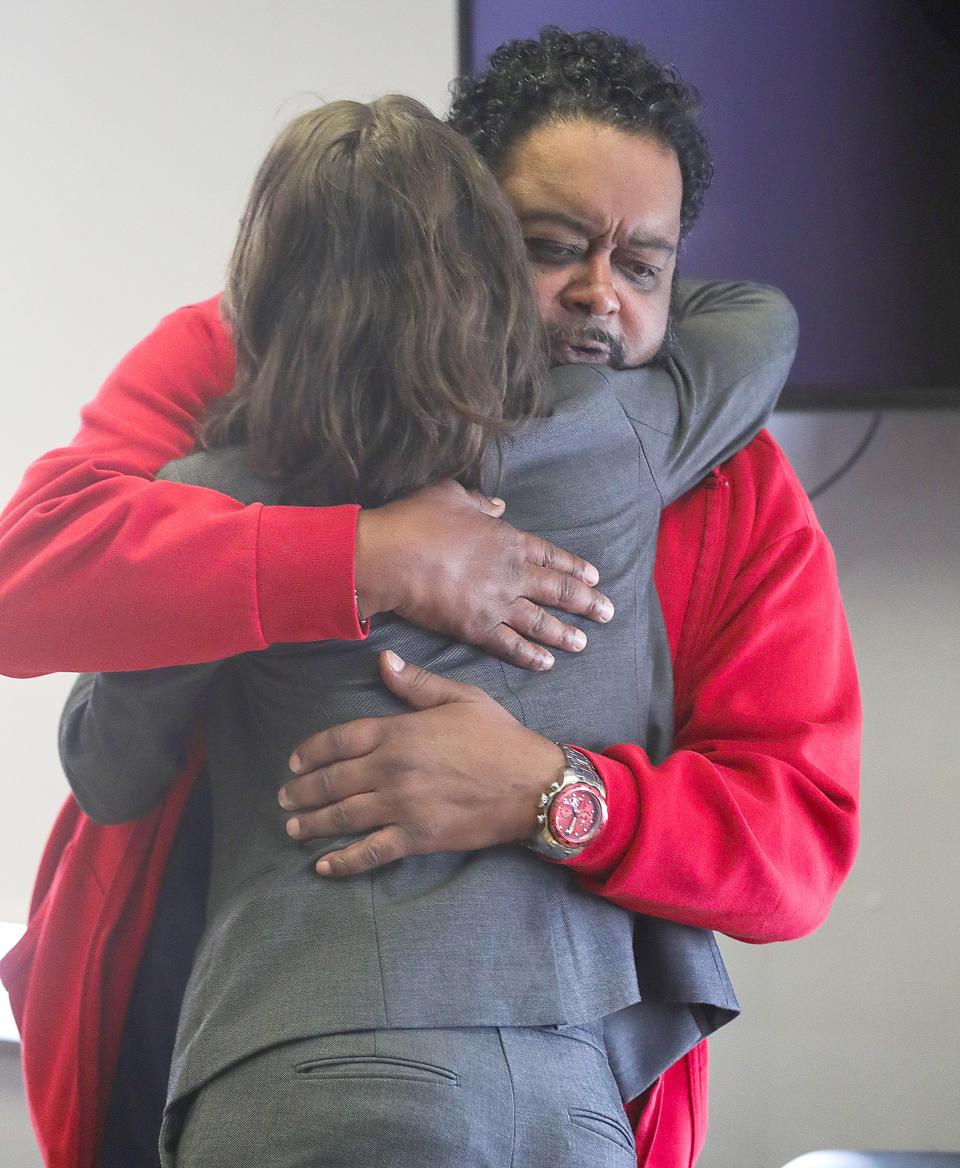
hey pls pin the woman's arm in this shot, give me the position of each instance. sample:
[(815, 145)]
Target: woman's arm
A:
[(733, 347), (125, 737)]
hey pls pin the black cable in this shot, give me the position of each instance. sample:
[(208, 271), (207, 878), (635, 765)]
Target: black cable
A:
[(849, 463)]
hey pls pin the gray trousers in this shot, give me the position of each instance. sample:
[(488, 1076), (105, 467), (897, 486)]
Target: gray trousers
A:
[(473, 1098)]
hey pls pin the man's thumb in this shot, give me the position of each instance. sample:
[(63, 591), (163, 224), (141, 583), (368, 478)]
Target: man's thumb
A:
[(489, 505), (418, 687)]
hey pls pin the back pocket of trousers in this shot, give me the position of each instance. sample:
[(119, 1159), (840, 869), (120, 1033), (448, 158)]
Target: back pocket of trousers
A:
[(602, 1125), (375, 1066)]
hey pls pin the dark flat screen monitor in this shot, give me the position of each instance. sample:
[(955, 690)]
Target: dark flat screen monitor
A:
[(835, 130)]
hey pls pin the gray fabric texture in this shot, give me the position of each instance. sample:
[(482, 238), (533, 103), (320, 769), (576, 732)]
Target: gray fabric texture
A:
[(492, 938)]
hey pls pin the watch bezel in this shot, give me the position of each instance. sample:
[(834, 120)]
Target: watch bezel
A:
[(556, 802), (577, 771)]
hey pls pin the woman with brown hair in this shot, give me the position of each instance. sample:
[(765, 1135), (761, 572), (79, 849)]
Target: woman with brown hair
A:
[(453, 1008), (381, 307)]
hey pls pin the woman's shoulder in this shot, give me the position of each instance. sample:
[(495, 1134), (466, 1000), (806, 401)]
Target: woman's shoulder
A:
[(225, 469)]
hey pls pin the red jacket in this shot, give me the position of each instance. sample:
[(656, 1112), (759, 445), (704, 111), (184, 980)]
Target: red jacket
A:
[(748, 827)]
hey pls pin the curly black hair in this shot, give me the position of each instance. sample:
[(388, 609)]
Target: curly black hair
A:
[(563, 76)]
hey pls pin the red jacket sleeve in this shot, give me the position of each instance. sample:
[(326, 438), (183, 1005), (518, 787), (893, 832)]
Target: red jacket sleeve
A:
[(103, 569), (750, 826)]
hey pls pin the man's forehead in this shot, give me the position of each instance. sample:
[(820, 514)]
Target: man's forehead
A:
[(586, 175)]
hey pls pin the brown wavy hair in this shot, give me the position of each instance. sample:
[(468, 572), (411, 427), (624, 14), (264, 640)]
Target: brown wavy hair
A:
[(381, 306)]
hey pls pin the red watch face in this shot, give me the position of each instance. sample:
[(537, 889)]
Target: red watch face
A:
[(575, 814)]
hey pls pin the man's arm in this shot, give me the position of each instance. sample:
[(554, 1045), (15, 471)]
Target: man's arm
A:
[(101, 568), (748, 827), (751, 825)]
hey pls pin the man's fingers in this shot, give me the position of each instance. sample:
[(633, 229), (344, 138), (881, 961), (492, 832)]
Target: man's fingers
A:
[(348, 740), (508, 645), (542, 552), (532, 620), (349, 816), (545, 586), (373, 851), (419, 687), (324, 786)]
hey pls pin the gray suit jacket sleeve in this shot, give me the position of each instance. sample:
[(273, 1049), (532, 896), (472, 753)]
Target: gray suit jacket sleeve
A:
[(124, 736), (735, 346)]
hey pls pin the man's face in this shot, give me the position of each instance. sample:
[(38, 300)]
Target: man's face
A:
[(600, 213)]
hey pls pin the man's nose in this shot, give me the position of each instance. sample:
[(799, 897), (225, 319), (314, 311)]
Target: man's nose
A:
[(591, 291)]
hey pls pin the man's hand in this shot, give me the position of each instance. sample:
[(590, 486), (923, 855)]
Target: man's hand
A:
[(459, 774), (444, 560)]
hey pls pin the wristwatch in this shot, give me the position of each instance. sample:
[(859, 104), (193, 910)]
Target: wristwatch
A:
[(572, 812)]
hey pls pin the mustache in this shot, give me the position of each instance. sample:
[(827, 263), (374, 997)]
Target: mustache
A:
[(586, 336)]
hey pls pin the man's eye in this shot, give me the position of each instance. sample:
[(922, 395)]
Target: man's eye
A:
[(639, 273), (547, 252)]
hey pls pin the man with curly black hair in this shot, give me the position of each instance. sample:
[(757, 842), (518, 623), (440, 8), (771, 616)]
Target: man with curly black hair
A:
[(569, 116), (581, 92), (564, 77)]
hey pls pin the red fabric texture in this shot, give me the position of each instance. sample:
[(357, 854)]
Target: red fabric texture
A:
[(748, 827)]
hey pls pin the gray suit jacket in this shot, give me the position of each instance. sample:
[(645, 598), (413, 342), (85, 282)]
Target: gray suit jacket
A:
[(496, 937)]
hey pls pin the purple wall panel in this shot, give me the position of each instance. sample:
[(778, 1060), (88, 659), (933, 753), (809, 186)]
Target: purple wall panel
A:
[(835, 129)]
